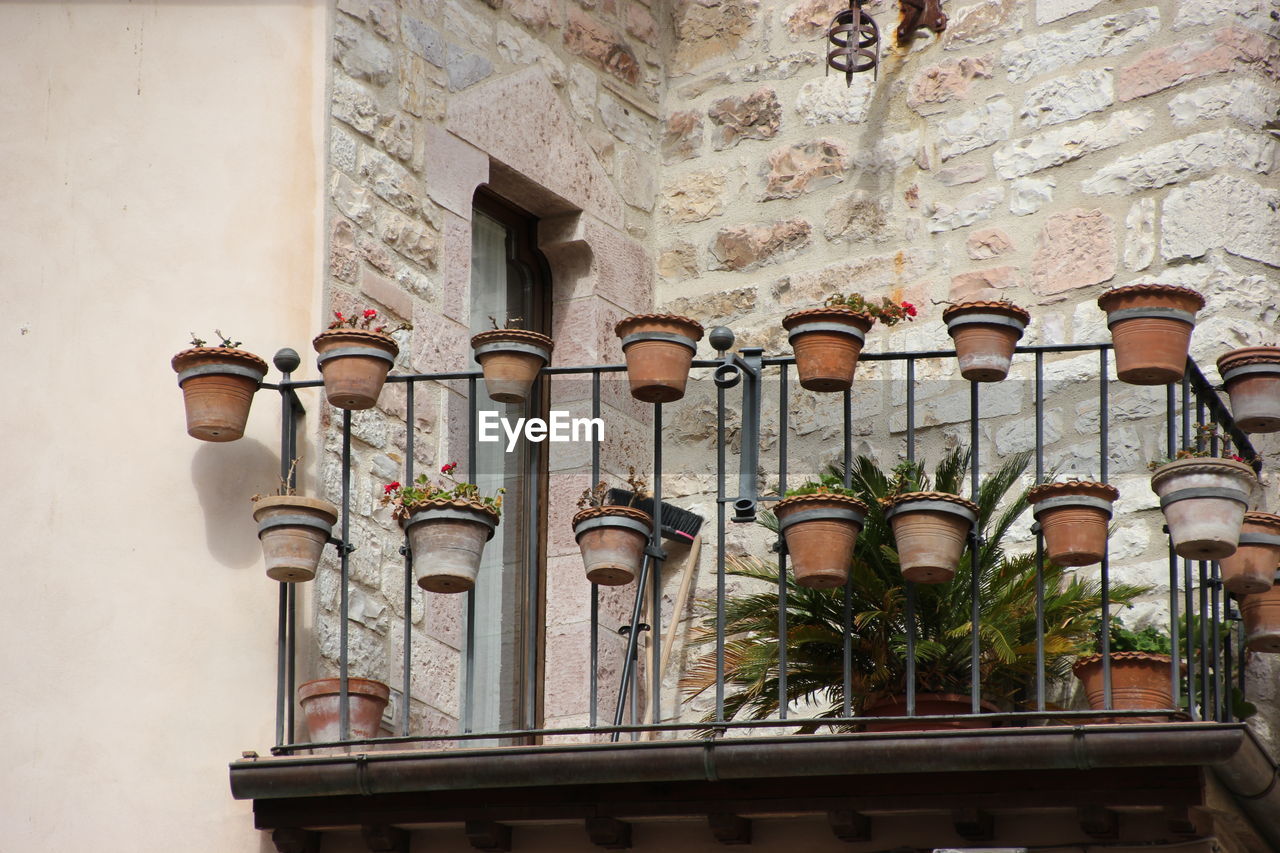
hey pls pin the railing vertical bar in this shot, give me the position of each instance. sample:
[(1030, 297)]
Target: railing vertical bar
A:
[(1188, 579), (410, 418), (782, 547), (284, 694), (911, 587), (1171, 448), (344, 704), (1215, 639), (626, 682), (720, 542), (1209, 700), (532, 590), (1104, 570), (846, 680), (975, 545), (595, 588), (469, 661), (1039, 393), (1228, 704), (655, 601), (281, 661)]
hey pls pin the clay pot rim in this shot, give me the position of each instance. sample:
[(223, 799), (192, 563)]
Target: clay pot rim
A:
[(518, 336), (1254, 599), (988, 307), (333, 686), (1088, 660), (364, 336), (908, 497), (611, 511), (436, 503), (1248, 355), (1263, 519), (836, 314), (277, 501), (1202, 465), (231, 354), (642, 319), (1169, 290), (1091, 488), (842, 500)]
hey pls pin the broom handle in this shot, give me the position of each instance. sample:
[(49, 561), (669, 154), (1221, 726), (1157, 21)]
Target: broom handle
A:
[(682, 598)]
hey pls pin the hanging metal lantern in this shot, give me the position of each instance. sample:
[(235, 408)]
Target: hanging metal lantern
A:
[(857, 42)]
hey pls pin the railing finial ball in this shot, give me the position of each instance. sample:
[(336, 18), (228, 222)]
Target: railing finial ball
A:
[(287, 360), (721, 339)]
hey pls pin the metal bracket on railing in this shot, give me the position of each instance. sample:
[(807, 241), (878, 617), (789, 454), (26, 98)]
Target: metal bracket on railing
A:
[(746, 364)]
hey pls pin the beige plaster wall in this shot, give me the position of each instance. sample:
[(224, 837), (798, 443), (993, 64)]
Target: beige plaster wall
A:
[(160, 164)]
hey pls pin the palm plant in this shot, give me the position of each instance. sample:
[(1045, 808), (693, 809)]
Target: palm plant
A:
[(878, 599)]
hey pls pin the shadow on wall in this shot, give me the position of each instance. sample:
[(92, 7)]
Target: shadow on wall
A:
[(225, 477)]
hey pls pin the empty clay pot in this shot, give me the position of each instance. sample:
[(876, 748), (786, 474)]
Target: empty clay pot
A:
[(1252, 568), (820, 532), (1204, 500), (447, 540), (293, 531), (1073, 518), (927, 705), (354, 363), (1252, 377), (511, 359), (321, 707), (827, 343), (659, 349), (931, 529), (1151, 327), (612, 541), (1139, 681), (1261, 614), (218, 384), (985, 334)]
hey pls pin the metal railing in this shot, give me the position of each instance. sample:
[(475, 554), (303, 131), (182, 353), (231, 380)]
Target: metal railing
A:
[(1213, 645)]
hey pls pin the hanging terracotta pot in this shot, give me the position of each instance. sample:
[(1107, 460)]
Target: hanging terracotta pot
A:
[(827, 343), (1204, 500), (931, 529), (1139, 681), (1252, 377), (354, 363), (820, 531), (511, 359), (612, 540), (985, 334), (1073, 517), (659, 349), (447, 540), (322, 709), (1261, 614), (927, 705), (218, 384), (293, 531), (1151, 328), (1252, 568)]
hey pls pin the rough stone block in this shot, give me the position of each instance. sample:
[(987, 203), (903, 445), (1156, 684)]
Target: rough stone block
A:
[(694, 198), (597, 43), (1067, 98), (537, 15), (424, 40), (856, 217), (1243, 99), (625, 122), (1225, 49), (950, 80), (519, 48), (983, 22), (710, 29), (891, 153), (360, 53), (1254, 14), (1074, 249), (809, 19), (988, 243), (802, 168), (1028, 195), (1064, 144), (974, 207), (1224, 211), (1106, 36), (1191, 156), (982, 284), (679, 262), (1048, 11), (978, 128), (746, 247), (1140, 235), (755, 116), (963, 173), (827, 100)]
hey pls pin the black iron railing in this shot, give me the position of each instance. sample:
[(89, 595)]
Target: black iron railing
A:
[(1213, 644)]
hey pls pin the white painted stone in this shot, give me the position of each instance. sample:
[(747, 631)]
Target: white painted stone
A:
[(1048, 51), (892, 153), (1148, 573), (999, 399), (1224, 288), (361, 54), (1243, 99), (827, 100), (1028, 195), (1135, 492), (1124, 403), (978, 128), (519, 48), (1064, 144), (1140, 235), (352, 103), (1124, 453), (1089, 323), (1129, 541), (1067, 98), (342, 149), (1223, 211), (1020, 435), (965, 173), (1255, 14), (1192, 156), (1048, 11), (625, 122), (1218, 333), (974, 207)]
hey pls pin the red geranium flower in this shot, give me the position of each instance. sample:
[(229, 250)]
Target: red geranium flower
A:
[(445, 469), (390, 487), (369, 313)]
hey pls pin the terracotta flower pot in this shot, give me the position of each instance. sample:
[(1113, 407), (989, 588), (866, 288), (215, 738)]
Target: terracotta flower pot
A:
[(820, 531), (927, 705), (447, 541), (827, 343), (354, 363), (612, 540), (1262, 621), (1252, 377), (1139, 681), (1204, 500), (320, 701), (1151, 327), (985, 334), (931, 529), (511, 359), (659, 349), (218, 384), (1252, 568), (293, 531), (1073, 517)]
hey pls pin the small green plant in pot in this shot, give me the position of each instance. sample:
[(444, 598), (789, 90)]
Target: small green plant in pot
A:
[(820, 522), (931, 525), (1140, 670)]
